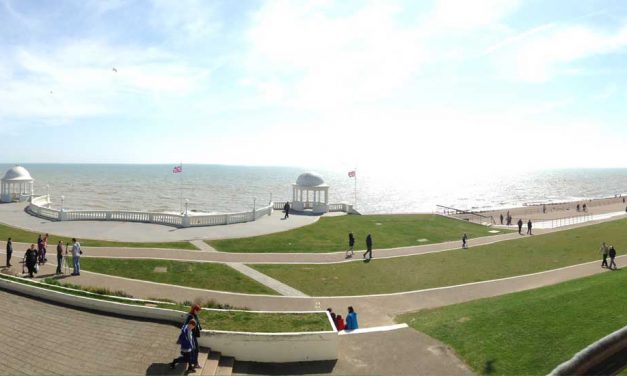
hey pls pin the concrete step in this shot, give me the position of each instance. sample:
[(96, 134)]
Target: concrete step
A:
[(203, 355), (226, 366), (211, 365)]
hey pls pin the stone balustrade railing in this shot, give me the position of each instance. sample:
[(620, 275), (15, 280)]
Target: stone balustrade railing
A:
[(40, 207), (341, 207)]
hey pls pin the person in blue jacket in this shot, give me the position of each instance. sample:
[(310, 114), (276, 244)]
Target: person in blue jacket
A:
[(351, 319), (187, 346)]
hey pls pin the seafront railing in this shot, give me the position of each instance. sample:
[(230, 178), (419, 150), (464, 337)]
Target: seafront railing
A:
[(40, 207), (341, 207)]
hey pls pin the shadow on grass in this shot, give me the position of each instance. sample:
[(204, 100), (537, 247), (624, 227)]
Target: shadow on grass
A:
[(488, 367)]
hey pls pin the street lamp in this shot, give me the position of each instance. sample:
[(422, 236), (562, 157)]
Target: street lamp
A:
[(186, 205), (62, 202), (254, 208)]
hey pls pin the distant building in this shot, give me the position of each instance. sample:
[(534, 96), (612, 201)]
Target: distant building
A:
[(16, 185), (310, 192)]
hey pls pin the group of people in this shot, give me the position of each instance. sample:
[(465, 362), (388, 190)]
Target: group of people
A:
[(520, 225), (611, 252), (508, 219), (340, 324), (35, 256), (188, 340), (582, 207), (350, 252)]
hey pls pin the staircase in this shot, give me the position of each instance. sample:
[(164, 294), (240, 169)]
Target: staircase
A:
[(213, 363)]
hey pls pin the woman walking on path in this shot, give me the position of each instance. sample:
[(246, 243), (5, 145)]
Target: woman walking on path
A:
[(193, 316), (9, 252), (187, 346), (612, 257), (30, 259), (351, 319), (351, 245)]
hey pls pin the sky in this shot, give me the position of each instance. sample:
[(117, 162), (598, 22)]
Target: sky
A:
[(395, 86)]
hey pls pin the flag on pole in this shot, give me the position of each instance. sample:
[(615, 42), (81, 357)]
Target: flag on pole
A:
[(177, 169), (352, 174)]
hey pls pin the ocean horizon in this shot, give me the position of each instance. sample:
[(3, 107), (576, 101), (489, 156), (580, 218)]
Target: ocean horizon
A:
[(217, 188)]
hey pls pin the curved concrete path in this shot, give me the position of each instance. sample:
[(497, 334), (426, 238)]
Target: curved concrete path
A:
[(14, 215)]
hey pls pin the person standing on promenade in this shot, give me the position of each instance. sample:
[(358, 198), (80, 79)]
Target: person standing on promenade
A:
[(604, 252), (30, 259), (9, 252), (612, 253), (585, 208), (501, 218), (465, 241), (529, 227), (45, 246), (520, 223), (508, 218), (286, 210), (368, 249), (543, 209), (193, 316), (351, 319), (59, 257), (76, 257), (187, 346), (40, 249), (351, 245)]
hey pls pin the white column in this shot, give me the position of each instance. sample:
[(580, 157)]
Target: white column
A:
[(326, 196)]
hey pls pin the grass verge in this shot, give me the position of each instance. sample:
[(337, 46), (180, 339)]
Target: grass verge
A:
[(531, 332), (210, 276), (528, 254), (24, 236), (240, 321), (330, 234)]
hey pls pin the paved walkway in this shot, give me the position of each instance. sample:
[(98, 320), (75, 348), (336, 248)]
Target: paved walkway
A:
[(38, 338), (265, 280), (14, 215)]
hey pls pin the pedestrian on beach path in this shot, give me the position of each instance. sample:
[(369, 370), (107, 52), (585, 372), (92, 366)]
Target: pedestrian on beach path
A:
[(9, 252), (351, 319), (286, 210), (465, 241), (520, 223), (351, 245), (529, 225), (193, 316), (187, 346), (368, 249), (59, 257), (76, 257), (612, 257), (30, 259), (501, 218), (604, 252)]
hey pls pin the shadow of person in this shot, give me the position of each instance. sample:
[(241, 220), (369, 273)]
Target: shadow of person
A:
[(488, 367), (164, 369)]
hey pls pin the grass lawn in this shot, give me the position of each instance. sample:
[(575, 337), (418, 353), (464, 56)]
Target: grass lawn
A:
[(23, 236), (240, 321), (330, 234), (508, 258), (531, 332), (211, 276)]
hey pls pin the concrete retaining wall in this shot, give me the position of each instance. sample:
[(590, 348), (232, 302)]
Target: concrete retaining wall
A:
[(257, 347), (593, 356)]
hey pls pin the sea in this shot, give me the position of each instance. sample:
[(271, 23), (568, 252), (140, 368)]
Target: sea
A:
[(222, 188)]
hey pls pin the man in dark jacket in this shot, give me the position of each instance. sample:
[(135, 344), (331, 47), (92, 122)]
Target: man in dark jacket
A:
[(9, 251), (286, 210), (30, 259), (368, 247), (351, 245), (520, 223)]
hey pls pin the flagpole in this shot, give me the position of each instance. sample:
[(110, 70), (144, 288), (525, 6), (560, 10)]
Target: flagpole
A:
[(355, 205), (181, 189)]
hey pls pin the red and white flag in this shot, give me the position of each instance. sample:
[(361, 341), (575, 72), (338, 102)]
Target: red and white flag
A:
[(352, 174), (177, 169)]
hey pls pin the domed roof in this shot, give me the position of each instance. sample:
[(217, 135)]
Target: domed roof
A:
[(309, 179), (17, 173)]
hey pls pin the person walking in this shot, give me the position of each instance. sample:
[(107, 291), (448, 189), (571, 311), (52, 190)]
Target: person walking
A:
[(76, 256), (30, 259), (604, 252), (45, 249), (286, 210), (187, 346), (351, 245), (40, 249), (465, 241), (501, 218), (612, 253), (193, 316), (368, 248), (520, 223), (9, 251), (59, 257), (529, 225), (351, 319)]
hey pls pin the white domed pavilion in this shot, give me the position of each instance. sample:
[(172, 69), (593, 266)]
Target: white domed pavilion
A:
[(16, 185), (310, 192)]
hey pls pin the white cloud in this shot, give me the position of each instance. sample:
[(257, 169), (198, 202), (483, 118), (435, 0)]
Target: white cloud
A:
[(473, 14)]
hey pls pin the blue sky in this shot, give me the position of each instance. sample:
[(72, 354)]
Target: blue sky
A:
[(484, 84)]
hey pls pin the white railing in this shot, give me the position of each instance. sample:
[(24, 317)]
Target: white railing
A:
[(341, 207), (39, 207)]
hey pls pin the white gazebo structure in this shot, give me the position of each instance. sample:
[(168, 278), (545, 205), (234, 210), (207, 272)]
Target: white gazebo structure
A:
[(310, 192), (16, 185)]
